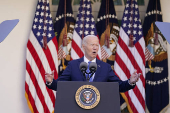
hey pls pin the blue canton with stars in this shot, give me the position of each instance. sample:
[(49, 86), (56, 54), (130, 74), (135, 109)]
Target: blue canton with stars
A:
[(43, 25), (131, 20), (85, 15)]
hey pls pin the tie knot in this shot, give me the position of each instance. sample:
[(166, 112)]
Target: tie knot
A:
[(89, 62)]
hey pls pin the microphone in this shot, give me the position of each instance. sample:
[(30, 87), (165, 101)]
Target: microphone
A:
[(93, 67), (83, 67)]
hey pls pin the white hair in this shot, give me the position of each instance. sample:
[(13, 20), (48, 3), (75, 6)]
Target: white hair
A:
[(85, 38)]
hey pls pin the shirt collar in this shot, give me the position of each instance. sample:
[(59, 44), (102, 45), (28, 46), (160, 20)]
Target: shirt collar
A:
[(86, 60)]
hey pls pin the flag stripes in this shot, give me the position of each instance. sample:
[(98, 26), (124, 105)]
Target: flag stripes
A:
[(41, 58)]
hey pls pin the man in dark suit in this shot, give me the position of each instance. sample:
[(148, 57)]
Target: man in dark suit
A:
[(104, 73)]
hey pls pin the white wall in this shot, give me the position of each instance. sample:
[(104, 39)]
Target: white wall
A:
[(166, 18), (13, 55), (13, 52)]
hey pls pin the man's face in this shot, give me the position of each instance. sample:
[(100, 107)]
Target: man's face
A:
[(91, 47)]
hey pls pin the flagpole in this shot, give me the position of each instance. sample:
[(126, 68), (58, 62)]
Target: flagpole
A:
[(45, 35), (131, 34)]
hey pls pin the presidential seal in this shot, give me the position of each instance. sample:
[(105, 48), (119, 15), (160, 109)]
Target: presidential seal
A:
[(87, 96)]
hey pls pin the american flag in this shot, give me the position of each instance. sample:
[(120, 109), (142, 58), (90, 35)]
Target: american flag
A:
[(85, 25), (41, 57), (130, 58)]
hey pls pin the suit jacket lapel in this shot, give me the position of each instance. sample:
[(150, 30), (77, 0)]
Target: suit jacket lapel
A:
[(98, 69), (81, 74)]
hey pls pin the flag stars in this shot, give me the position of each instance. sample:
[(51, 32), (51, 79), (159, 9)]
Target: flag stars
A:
[(124, 25), (88, 12), (126, 11), (42, 13), (139, 32), (50, 22), (41, 20), (132, 5), (92, 26), (83, 12), (44, 34), (80, 32), (86, 32), (87, 19), (88, 6), (35, 20), (134, 38), (82, 19), (38, 34), (50, 29), (134, 32), (130, 18), (92, 19), (34, 26), (39, 27), (130, 25), (46, 21), (140, 26), (46, 14), (136, 19), (128, 31), (127, 5), (76, 25), (81, 25), (131, 12), (45, 28), (135, 25), (92, 32), (37, 13), (87, 25), (49, 35), (47, 8), (125, 18), (42, 7), (136, 6), (84, 5), (38, 7), (136, 12)]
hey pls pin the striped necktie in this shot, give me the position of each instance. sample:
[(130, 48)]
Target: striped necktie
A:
[(88, 75)]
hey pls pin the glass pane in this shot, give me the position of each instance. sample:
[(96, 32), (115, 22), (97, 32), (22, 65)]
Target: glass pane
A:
[(55, 2), (76, 2), (140, 2), (117, 2)]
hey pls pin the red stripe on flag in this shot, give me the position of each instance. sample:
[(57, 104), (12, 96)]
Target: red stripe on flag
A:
[(51, 61), (77, 49), (56, 46), (124, 68), (38, 89), (31, 100), (140, 51), (131, 58), (41, 69), (131, 103)]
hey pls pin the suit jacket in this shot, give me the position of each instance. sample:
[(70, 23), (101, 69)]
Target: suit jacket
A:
[(104, 73)]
